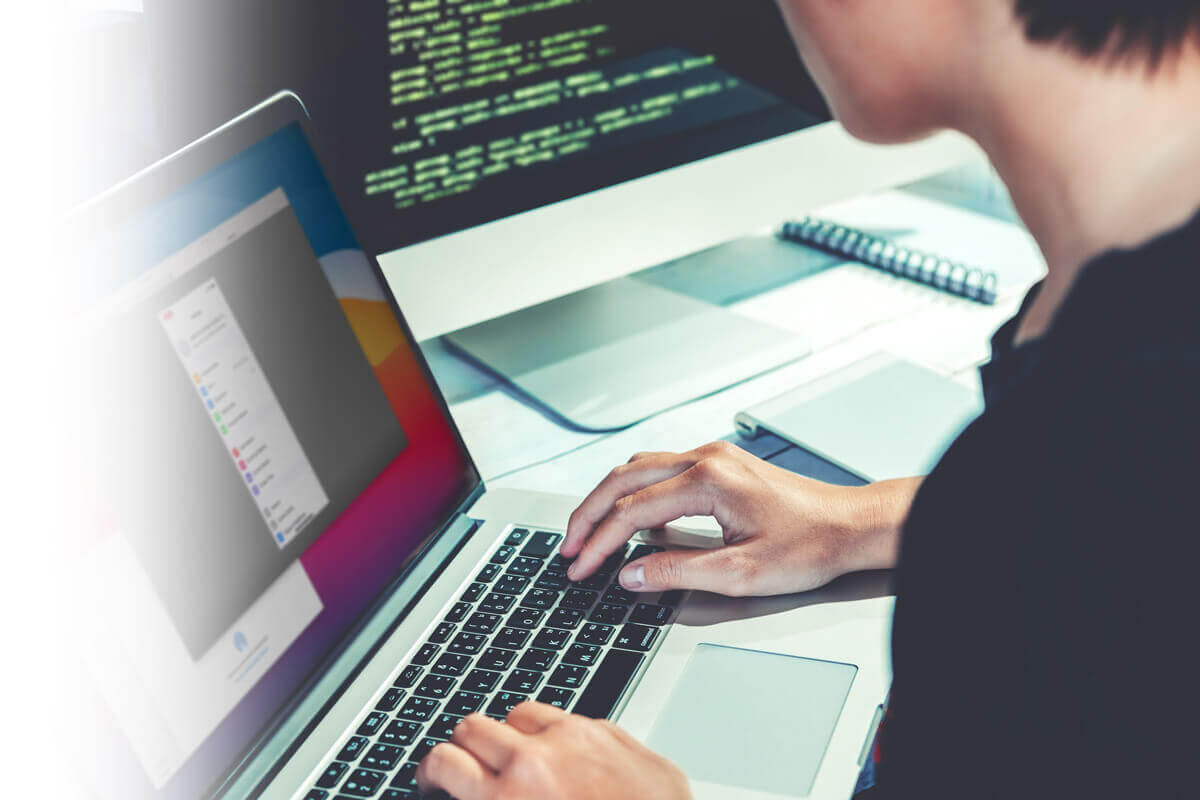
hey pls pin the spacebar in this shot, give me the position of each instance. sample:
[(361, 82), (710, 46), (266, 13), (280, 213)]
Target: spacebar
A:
[(608, 684)]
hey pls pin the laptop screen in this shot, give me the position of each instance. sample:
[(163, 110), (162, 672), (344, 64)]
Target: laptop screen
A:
[(267, 453)]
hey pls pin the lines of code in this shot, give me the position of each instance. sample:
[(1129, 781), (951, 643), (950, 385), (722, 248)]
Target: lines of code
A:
[(488, 88)]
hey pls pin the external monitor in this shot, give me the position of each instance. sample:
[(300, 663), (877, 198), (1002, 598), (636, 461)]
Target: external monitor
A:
[(499, 154)]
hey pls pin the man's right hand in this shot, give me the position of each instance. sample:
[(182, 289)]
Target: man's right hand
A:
[(783, 533)]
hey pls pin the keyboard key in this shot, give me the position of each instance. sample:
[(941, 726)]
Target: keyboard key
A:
[(383, 757), (541, 544), (551, 639), (473, 592), (636, 637), (553, 580), (615, 559), (537, 660), (482, 622), (596, 581), (427, 653), (609, 614), (463, 703), (497, 659), (568, 676), (540, 599), (363, 783), (497, 603), (525, 566), (523, 681), (554, 696), (511, 638), (391, 698), (608, 683), (332, 774), (418, 709), (505, 702), (583, 655), (648, 614), (618, 595), (594, 633), (526, 618), (565, 618), (405, 777), (400, 733), (488, 573), (516, 537), (481, 680), (458, 612), (467, 643), (453, 664), (372, 723), (353, 748), (443, 727), (408, 676), (581, 599), (397, 794), (560, 562), (423, 747), (643, 550), (435, 686), (512, 584), (316, 794), (671, 598), (442, 633), (502, 555)]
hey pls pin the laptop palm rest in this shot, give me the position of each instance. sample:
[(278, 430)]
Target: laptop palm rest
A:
[(752, 719)]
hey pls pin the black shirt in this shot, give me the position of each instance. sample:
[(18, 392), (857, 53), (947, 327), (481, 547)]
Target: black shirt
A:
[(1047, 628)]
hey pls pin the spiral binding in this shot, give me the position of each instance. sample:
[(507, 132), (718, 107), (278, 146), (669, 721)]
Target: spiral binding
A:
[(952, 277)]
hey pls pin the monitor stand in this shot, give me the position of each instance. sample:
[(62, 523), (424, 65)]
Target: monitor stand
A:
[(610, 356)]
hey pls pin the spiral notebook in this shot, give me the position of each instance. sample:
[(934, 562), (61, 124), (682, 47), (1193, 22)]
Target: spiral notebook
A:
[(961, 280)]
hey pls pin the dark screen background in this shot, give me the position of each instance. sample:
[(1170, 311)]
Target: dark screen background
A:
[(214, 58)]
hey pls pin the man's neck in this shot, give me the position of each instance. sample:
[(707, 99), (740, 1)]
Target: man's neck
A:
[(1096, 158)]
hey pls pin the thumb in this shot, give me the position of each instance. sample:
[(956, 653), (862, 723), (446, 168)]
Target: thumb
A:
[(719, 570)]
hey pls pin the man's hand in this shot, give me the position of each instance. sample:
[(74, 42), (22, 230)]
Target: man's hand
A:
[(544, 753), (783, 533)]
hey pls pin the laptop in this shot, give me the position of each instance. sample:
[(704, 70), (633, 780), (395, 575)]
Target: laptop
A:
[(298, 583)]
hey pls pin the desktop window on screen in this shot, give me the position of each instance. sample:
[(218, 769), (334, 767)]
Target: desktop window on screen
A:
[(265, 455)]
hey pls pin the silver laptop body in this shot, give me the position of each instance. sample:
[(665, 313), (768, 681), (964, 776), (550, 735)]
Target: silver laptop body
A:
[(332, 582)]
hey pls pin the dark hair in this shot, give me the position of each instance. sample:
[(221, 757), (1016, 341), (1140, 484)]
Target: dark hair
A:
[(1117, 27)]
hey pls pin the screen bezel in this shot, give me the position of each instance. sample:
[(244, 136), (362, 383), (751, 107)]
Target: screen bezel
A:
[(176, 171)]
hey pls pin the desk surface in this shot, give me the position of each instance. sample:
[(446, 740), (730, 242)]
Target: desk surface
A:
[(847, 312)]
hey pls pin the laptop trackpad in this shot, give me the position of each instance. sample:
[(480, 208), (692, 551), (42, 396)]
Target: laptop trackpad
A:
[(752, 719)]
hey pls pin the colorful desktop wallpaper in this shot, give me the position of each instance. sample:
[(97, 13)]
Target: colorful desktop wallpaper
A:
[(364, 549)]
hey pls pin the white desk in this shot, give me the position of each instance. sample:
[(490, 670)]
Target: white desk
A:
[(847, 312)]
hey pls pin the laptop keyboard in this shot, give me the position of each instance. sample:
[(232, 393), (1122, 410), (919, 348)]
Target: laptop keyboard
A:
[(521, 630)]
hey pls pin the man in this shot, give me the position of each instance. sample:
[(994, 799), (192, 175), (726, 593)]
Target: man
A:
[(1046, 627)]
